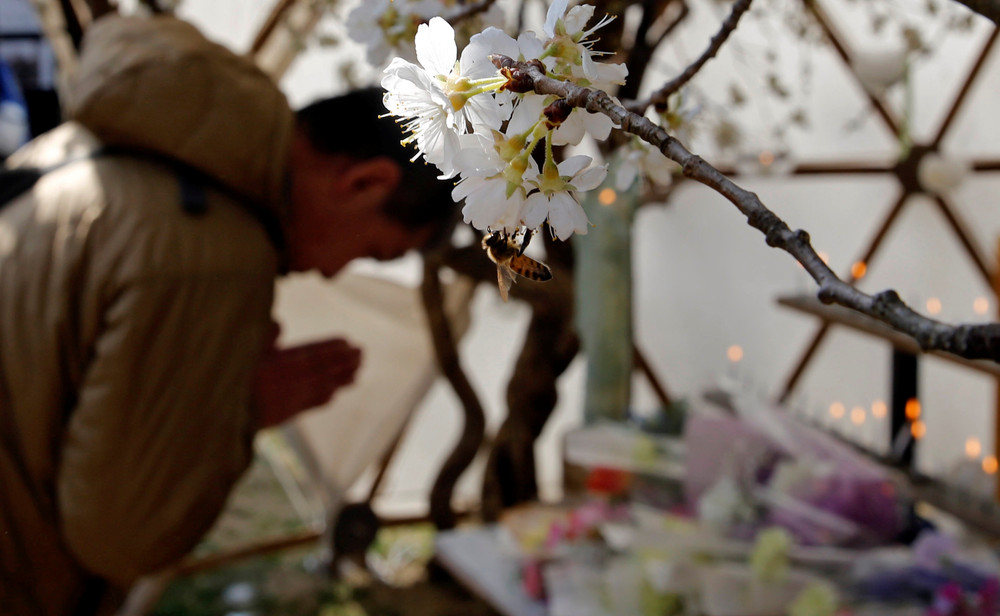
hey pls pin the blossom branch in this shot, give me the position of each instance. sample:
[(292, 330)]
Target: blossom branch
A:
[(728, 26), (969, 341)]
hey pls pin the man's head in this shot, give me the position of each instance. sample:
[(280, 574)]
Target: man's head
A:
[(354, 191)]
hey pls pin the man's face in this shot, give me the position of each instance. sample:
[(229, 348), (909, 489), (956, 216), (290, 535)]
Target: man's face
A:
[(337, 214)]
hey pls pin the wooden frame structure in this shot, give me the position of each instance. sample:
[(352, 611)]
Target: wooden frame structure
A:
[(905, 171)]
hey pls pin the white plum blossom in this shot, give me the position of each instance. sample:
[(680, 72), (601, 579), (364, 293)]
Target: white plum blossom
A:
[(463, 119), (436, 98), (387, 27), (555, 200), (569, 42), (559, 21), (579, 123), (413, 95), (497, 173), (639, 159), (487, 204), (492, 200), (437, 53)]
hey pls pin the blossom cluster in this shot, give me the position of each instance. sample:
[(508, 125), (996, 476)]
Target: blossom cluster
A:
[(462, 116), (387, 28)]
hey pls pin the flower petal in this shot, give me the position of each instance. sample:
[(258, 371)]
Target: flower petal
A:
[(578, 17), (484, 111), (436, 49), (476, 157), (475, 61), (597, 124), (571, 131), (526, 114), (566, 216), (536, 210), (556, 10), (574, 164), (530, 46), (590, 179), (625, 175)]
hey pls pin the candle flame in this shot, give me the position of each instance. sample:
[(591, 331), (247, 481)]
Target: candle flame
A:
[(990, 465), (858, 415), (734, 353), (859, 269), (607, 196), (973, 447), (837, 410)]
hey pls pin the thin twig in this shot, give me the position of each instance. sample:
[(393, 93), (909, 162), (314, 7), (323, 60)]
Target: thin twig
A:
[(681, 17), (641, 52), (728, 26), (978, 341), (470, 11)]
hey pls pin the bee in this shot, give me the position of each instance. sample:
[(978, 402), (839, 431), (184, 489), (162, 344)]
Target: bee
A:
[(508, 254)]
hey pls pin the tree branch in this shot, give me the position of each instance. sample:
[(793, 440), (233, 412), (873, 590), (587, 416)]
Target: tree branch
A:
[(474, 426), (969, 341), (470, 10), (728, 26), (642, 51)]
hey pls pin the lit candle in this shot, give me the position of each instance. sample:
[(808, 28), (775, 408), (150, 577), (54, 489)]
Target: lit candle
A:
[(973, 448), (879, 426), (981, 306), (934, 306), (735, 356), (837, 411), (858, 420)]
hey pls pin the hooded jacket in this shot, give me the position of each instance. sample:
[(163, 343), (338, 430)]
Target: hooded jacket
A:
[(129, 328)]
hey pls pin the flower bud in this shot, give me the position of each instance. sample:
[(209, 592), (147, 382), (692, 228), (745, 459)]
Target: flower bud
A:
[(557, 112)]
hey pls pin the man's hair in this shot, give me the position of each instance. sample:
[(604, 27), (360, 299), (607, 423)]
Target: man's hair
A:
[(355, 124)]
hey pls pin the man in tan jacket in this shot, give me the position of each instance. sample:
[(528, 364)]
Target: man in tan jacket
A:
[(136, 281)]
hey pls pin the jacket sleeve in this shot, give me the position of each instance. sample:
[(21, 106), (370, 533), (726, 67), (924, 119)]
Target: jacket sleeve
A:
[(162, 429)]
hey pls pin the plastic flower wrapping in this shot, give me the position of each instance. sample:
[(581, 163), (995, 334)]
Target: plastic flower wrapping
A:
[(778, 472), (473, 122)]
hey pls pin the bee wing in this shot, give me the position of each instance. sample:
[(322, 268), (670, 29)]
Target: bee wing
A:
[(530, 269), (505, 278)]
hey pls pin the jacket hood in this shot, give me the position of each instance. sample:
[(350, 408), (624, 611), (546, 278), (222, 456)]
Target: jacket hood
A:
[(157, 84)]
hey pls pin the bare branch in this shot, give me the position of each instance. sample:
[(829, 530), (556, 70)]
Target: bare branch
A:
[(474, 426), (989, 9), (728, 26), (969, 341), (642, 50)]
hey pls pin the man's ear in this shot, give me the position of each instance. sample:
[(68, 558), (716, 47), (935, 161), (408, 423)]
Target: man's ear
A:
[(373, 179)]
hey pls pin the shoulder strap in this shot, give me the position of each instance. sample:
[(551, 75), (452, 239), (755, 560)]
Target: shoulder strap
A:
[(194, 201), (14, 182)]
